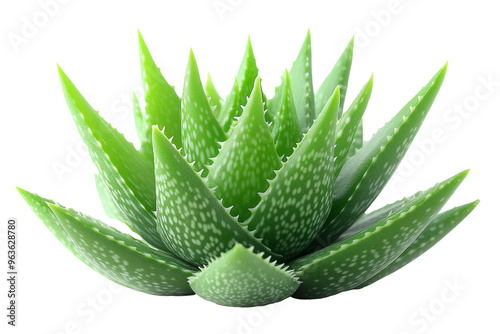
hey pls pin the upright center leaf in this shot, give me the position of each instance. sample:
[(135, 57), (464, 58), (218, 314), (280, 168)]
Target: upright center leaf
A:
[(246, 161), (247, 73), (200, 131)]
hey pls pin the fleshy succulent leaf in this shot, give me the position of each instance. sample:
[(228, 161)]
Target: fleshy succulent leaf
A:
[(437, 229), (228, 111), (357, 142), (338, 76), (41, 209), (345, 265), (242, 278), (246, 160), (123, 259), (302, 85), (347, 126), (201, 133), (109, 206), (124, 171), (166, 274), (368, 171), (295, 205), (139, 119), (136, 171), (213, 96), (368, 219), (163, 105), (247, 73), (191, 220), (285, 126), (302, 88)]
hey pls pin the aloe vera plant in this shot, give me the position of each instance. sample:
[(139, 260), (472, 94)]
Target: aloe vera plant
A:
[(247, 200)]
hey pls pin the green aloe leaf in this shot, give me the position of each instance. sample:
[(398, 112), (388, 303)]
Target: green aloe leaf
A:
[(140, 121), (126, 173), (338, 76), (285, 126), (40, 208), (226, 116), (201, 133), (136, 171), (213, 96), (295, 205), (368, 171), (248, 155), (302, 85), (247, 73), (93, 249), (163, 105), (191, 220), (110, 207), (123, 259), (346, 128), (302, 88), (357, 142), (368, 219), (242, 278), (345, 265), (437, 229)]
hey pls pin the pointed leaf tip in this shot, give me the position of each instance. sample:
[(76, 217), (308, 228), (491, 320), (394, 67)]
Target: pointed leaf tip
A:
[(247, 72), (163, 105), (302, 85), (285, 126), (339, 75)]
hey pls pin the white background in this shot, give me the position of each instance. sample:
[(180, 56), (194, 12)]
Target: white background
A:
[(402, 42)]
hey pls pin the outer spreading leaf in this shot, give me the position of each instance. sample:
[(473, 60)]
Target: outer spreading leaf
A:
[(285, 126), (127, 174), (437, 229), (347, 126), (338, 76), (40, 208), (191, 220), (294, 207), (368, 171), (163, 106), (201, 133), (246, 160), (373, 217), (213, 96), (242, 278), (136, 171), (124, 254), (123, 259), (345, 265)]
